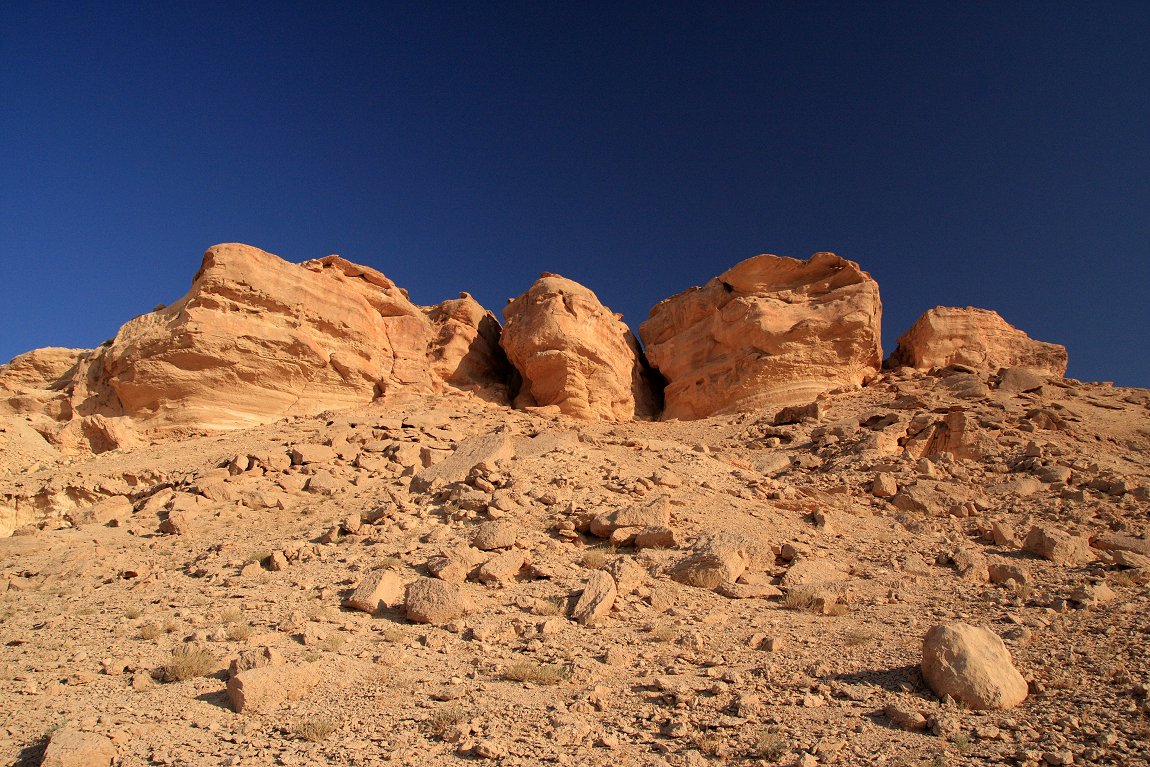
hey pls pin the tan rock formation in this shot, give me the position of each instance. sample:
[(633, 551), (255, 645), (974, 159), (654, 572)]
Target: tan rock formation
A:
[(768, 332), (977, 338), (575, 354), (257, 339)]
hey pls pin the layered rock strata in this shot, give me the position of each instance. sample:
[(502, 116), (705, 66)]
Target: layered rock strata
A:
[(770, 331)]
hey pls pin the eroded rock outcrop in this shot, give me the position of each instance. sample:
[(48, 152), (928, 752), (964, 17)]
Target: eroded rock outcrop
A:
[(575, 354), (256, 339), (977, 338), (768, 332)]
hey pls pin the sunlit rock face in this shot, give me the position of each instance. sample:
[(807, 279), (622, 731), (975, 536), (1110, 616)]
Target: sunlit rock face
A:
[(771, 331), (575, 355), (977, 338), (257, 338)]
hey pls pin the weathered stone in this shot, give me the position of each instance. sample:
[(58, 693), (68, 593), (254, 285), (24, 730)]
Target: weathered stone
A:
[(502, 568), (653, 513), (467, 455), (629, 576), (69, 747), (884, 485), (808, 571), (262, 689), (977, 338), (972, 665), (770, 331), (430, 600), (575, 355), (656, 538), (495, 535), (455, 565), (306, 454), (1058, 546), (718, 558), (378, 589), (594, 604)]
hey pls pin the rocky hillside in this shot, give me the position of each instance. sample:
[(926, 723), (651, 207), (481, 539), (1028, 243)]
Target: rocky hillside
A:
[(296, 519)]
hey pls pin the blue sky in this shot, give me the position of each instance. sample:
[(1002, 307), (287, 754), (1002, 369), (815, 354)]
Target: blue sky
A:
[(984, 154)]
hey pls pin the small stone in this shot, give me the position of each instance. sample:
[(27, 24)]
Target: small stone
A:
[(378, 589), (594, 604), (498, 534), (434, 601)]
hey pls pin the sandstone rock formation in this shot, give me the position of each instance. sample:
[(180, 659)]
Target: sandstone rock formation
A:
[(977, 338), (575, 355), (254, 340), (768, 332)]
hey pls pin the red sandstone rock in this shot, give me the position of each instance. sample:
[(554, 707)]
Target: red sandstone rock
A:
[(977, 338), (574, 354), (768, 332)]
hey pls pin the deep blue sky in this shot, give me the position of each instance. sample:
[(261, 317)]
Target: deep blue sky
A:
[(986, 154)]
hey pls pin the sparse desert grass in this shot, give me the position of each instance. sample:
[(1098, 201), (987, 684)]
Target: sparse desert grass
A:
[(536, 673), (331, 643), (240, 632), (187, 662), (595, 559), (770, 745), (231, 615), (315, 728), (549, 607), (962, 743), (393, 634), (446, 717), (151, 631), (710, 742), (814, 597)]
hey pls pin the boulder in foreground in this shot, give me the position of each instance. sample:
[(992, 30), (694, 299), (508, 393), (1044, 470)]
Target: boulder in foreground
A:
[(971, 665)]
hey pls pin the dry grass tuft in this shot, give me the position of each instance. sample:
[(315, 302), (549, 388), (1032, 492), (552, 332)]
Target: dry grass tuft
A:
[(231, 615), (770, 745), (595, 559), (152, 631), (187, 662), (537, 673), (240, 632), (314, 729), (445, 718)]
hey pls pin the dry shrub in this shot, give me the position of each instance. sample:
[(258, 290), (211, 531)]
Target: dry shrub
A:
[(770, 745), (231, 615), (537, 673), (595, 559), (314, 729), (187, 662), (240, 632), (447, 717)]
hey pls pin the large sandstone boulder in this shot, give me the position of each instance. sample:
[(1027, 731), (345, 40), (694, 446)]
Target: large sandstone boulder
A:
[(257, 339), (971, 665), (977, 338), (575, 354), (768, 332)]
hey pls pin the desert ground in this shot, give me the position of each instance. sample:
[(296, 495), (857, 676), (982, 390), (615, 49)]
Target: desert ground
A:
[(438, 579)]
